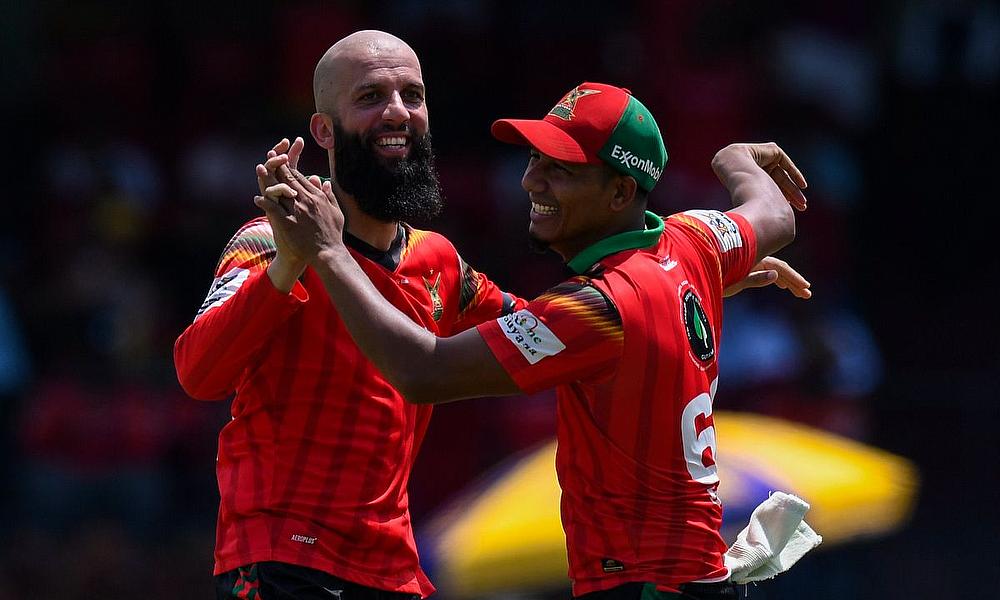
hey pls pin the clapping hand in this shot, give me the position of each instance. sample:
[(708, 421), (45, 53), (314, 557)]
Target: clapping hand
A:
[(304, 211)]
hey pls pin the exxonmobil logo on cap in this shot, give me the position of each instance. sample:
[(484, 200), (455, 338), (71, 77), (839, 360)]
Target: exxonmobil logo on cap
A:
[(630, 160)]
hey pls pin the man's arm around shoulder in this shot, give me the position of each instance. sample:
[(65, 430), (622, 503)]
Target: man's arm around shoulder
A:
[(426, 369), (422, 366)]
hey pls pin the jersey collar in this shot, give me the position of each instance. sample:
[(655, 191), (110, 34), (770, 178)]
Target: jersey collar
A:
[(389, 259), (582, 262)]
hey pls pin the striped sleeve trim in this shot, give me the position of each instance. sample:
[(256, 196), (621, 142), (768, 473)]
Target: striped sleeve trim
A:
[(251, 248), (588, 305)]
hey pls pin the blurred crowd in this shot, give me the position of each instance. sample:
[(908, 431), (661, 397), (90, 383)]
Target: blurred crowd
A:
[(142, 125)]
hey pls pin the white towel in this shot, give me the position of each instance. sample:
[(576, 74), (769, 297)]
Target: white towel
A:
[(774, 540)]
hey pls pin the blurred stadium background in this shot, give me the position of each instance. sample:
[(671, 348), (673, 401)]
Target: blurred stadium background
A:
[(131, 131)]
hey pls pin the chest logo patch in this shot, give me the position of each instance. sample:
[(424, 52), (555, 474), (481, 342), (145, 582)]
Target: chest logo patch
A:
[(432, 289), (697, 327)]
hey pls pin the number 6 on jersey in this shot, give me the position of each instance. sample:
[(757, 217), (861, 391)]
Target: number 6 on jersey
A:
[(698, 437)]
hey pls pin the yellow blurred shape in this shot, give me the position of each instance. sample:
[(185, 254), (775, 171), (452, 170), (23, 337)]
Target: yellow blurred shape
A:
[(507, 538), (853, 489), (505, 535)]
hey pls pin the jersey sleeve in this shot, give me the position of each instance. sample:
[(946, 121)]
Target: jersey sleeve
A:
[(725, 238), (241, 312), (572, 332), (481, 300)]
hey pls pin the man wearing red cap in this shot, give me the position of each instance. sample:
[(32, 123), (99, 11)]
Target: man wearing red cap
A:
[(630, 342)]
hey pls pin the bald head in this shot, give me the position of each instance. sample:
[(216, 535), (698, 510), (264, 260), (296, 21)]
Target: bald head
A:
[(346, 63)]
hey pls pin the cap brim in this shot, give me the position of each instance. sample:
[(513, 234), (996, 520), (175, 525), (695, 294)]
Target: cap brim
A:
[(544, 136)]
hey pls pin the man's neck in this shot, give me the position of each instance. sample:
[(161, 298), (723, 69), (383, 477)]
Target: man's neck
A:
[(634, 221), (376, 233)]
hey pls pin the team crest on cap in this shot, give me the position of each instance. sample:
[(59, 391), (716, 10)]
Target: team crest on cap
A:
[(564, 110)]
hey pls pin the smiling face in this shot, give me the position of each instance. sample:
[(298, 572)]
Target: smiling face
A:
[(384, 104), (379, 96), (372, 116), (573, 205), (371, 84)]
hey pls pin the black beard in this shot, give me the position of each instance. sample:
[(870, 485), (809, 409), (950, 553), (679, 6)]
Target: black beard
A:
[(407, 191)]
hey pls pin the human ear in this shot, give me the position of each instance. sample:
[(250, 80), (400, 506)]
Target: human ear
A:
[(321, 128), (625, 188)]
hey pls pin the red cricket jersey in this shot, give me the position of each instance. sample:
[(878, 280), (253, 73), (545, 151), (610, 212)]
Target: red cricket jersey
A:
[(313, 467), (631, 347)]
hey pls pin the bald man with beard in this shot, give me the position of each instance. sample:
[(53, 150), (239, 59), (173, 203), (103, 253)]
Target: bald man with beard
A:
[(313, 467)]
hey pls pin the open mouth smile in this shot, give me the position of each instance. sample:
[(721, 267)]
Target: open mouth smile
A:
[(544, 209), (392, 145)]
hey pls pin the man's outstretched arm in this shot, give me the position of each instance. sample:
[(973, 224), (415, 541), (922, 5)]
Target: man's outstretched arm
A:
[(422, 366), (764, 185)]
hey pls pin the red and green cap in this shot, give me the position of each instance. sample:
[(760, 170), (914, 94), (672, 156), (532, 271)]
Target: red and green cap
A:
[(595, 123)]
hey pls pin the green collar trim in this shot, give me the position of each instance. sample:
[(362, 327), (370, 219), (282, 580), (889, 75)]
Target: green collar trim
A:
[(582, 262)]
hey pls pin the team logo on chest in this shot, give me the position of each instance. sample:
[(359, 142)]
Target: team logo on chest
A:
[(432, 289), (697, 327)]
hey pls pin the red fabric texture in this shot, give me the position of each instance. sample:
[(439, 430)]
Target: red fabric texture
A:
[(313, 467)]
